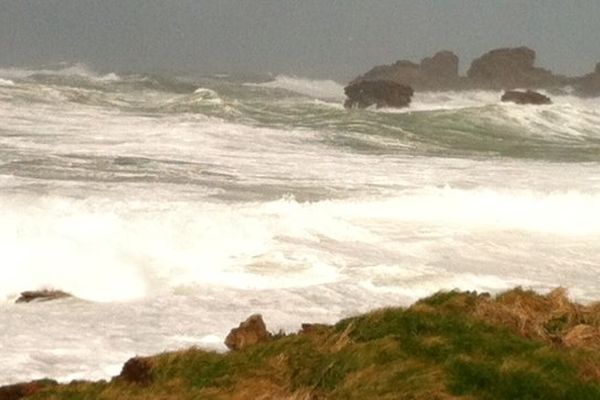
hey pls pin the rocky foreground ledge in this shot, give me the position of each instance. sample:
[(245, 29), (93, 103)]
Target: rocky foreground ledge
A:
[(454, 345)]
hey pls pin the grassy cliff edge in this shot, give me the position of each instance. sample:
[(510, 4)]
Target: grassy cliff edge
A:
[(452, 345)]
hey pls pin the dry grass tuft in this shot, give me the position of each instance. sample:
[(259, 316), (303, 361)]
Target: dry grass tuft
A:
[(548, 317)]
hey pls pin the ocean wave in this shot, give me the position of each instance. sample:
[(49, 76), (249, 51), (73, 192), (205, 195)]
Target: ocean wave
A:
[(64, 70), (109, 251), (319, 89), (6, 82)]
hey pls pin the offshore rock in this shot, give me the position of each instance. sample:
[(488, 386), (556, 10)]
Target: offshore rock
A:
[(21, 390), (442, 67), (42, 295), (137, 370), (364, 94), (250, 332), (528, 97), (509, 68), (499, 69), (439, 72), (588, 85)]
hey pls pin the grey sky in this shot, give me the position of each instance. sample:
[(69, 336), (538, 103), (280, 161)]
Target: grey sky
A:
[(320, 38)]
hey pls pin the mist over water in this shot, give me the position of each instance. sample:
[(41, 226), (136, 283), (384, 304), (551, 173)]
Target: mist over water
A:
[(174, 207)]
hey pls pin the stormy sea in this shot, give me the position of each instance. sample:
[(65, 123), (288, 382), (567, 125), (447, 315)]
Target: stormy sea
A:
[(171, 208)]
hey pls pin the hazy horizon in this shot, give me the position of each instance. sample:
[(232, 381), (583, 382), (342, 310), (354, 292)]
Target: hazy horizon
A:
[(312, 38)]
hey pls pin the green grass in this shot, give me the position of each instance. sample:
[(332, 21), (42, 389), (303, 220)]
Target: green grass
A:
[(438, 349)]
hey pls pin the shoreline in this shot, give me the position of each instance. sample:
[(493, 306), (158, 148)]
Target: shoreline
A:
[(450, 339)]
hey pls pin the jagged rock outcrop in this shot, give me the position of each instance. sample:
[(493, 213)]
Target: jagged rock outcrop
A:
[(442, 67), (364, 94), (499, 69), (42, 295), (528, 97), (588, 85), (250, 332), (21, 390), (433, 73)]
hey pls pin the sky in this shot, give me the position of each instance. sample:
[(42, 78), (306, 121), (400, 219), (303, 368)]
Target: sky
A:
[(315, 38)]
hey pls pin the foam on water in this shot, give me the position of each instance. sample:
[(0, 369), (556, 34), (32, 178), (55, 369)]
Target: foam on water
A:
[(175, 211), (112, 251), (78, 69), (320, 89)]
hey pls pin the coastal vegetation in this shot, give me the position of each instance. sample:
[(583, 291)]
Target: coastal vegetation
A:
[(452, 345)]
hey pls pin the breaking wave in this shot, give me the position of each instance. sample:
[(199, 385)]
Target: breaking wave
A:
[(319, 89)]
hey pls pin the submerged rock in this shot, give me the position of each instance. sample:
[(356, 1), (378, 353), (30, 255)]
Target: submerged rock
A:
[(528, 97), (21, 390), (250, 332), (364, 94), (42, 295)]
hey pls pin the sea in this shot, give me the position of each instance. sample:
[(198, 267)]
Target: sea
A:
[(173, 207)]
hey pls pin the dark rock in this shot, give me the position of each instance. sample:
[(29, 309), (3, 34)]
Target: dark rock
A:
[(588, 85), (41, 295), (505, 68), (137, 370), (250, 332), (443, 66), (528, 97), (21, 390), (379, 93), (510, 68), (439, 72)]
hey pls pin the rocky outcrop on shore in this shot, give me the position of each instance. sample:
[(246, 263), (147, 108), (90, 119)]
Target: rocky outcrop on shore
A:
[(499, 69), (250, 332), (516, 345), (382, 94), (527, 97)]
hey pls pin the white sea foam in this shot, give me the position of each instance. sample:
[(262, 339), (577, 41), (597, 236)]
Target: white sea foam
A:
[(319, 89), (114, 251), (174, 226), (6, 82), (77, 69)]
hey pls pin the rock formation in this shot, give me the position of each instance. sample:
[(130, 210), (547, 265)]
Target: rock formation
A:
[(510, 68), (250, 332), (499, 69), (137, 370), (588, 85), (528, 97), (439, 72), (364, 94), (41, 295)]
